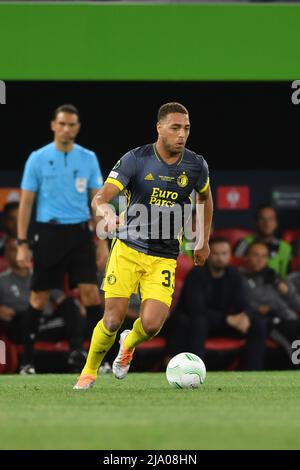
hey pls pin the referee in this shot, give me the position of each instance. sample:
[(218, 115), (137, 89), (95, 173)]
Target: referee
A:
[(62, 176)]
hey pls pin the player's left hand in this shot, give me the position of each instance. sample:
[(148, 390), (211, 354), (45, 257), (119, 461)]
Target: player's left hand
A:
[(201, 255)]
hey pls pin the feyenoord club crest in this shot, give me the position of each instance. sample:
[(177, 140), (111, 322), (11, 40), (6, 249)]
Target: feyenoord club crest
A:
[(111, 279), (182, 180)]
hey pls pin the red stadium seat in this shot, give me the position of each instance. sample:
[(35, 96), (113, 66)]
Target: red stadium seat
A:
[(233, 345), (291, 235), (155, 344), (184, 265), (158, 343), (271, 344), (48, 346), (224, 344), (229, 344), (238, 261), (295, 263), (233, 234)]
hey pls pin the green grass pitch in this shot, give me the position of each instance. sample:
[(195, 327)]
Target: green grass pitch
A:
[(232, 410)]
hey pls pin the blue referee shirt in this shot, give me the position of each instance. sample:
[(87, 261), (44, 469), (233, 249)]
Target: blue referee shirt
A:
[(62, 181)]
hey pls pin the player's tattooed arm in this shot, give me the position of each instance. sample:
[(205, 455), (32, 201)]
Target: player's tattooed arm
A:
[(204, 212)]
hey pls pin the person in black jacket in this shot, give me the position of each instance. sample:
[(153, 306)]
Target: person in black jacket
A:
[(213, 304), (274, 299)]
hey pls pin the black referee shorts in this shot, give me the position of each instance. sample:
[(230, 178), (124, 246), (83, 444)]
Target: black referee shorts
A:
[(59, 249)]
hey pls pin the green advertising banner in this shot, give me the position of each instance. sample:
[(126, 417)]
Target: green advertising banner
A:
[(149, 41)]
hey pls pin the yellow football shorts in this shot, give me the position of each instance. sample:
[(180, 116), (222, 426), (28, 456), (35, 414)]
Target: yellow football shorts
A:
[(129, 271)]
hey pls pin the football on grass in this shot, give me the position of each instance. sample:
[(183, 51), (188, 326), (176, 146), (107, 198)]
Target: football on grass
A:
[(186, 370)]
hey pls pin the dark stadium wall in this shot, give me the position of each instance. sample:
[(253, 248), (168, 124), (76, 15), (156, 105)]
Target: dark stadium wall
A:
[(246, 130), (234, 124), (237, 194)]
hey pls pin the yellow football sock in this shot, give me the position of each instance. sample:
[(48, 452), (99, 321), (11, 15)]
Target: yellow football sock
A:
[(136, 336), (102, 341)]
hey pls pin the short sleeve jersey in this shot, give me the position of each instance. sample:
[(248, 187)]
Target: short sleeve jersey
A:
[(157, 194), (62, 182)]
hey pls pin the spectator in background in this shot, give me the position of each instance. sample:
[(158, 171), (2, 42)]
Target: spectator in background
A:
[(61, 318), (280, 252), (14, 293), (61, 176), (275, 299), (293, 282), (212, 303), (9, 223)]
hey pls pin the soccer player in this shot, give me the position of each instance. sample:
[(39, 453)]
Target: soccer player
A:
[(61, 176), (158, 178)]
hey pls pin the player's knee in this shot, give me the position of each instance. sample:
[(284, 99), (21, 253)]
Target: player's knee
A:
[(151, 328), (112, 323), (113, 319), (114, 314)]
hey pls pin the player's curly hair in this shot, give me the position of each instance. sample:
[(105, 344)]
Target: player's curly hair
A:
[(168, 108)]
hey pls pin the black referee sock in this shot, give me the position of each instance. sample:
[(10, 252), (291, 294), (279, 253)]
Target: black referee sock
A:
[(94, 313), (31, 323)]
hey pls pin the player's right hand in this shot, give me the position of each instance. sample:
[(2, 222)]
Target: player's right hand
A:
[(23, 256), (111, 222), (108, 224)]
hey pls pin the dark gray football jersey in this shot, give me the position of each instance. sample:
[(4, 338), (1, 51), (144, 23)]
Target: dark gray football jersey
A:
[(157, 196)]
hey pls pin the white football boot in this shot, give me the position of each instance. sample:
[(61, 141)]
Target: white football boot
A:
[(122, 362)]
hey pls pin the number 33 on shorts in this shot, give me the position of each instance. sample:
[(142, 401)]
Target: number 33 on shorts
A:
[(169, 278), (129, 270)]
